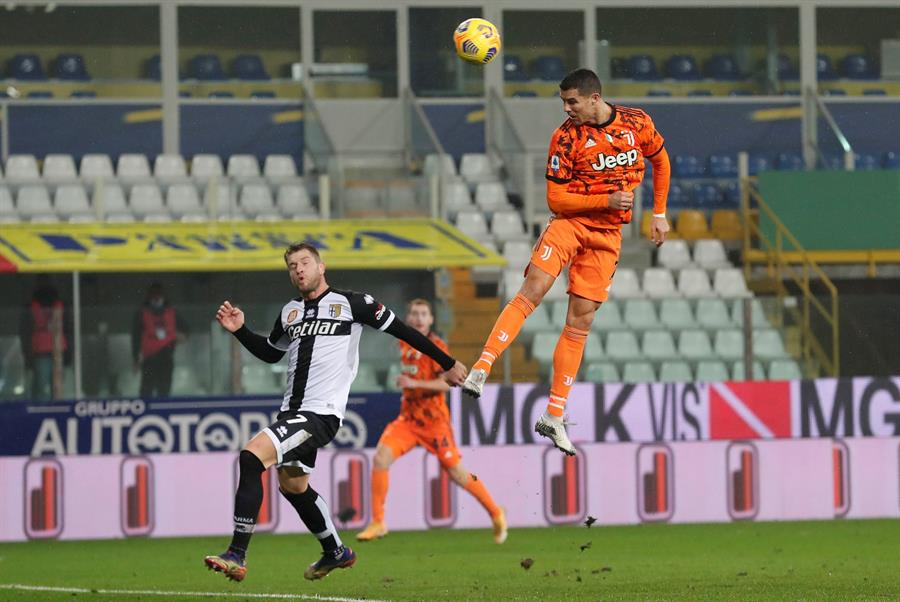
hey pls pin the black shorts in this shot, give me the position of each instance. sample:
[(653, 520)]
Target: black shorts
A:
[(297, 437)]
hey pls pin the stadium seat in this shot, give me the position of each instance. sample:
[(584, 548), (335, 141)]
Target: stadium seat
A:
[(548, 68), (785, 370), (472, 223), (642, 67), (514, 69), (293, 200), (625, 285), (711, 371), (658, 345), (33, 202), (758, 163), (70, 67), (59, 167), (682, 67), (675, 372), (786, 69), (7, 206), (659, 283), (738, 373), (146, 200), (206, 67), (557, 292), (640, 314), (601, 372), (262, 94), (709, 254), (22, 167), (701, 92), (608, 317), (694, 345), (83, 94), (593, 349), (713, 314), (824, 70), (220, 94), (542, 347), (538, 321), (677, 198), (676, 314), (184, 202), (729, 344), (726, 225), (491, 197), (524, 94), (722, 67), (730, 195), (436, 164), (108, 199), (866, 162), (722, 166), (767, 344), (457, 198), (693, 283), (517, 253), (153, 68), (169, 167), (507, 226), (71, 202), (687, 166), (133, 166), (857, 66), (558, 311), (622, 345), (675, 254), (705, 196), (25, 67), (730, 283), (248, 67), (739, 92), (40, 94), (659, 93), (618, 67), (834, 92), (691, 225), (204, 167), (638, 372), (874, 92), (758, 317), (95, 165), (476, 168)]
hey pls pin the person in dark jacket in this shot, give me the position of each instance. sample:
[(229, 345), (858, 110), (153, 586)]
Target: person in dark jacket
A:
[(46, 323), (156, 330)]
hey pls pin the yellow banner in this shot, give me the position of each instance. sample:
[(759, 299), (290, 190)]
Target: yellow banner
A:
[(350, 244)]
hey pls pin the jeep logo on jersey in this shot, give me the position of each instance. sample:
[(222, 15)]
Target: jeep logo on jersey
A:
[(326, 328), (612, 161)]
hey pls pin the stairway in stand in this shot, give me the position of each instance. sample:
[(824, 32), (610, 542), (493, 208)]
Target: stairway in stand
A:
[(473, 318)]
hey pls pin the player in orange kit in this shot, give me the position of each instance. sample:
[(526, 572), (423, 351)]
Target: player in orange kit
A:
[(595, 161), (424, 420)]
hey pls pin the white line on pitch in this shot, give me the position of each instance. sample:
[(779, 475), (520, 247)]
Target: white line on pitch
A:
[(151, 592)]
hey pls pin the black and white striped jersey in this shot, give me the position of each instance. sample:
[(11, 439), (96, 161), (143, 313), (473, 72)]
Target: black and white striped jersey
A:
[(321, 338)]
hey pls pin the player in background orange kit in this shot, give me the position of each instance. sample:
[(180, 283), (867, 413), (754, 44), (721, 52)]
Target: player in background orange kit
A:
[(424, 420), (596, 160)]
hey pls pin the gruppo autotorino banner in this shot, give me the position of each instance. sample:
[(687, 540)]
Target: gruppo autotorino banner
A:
[(824, 408), (226, 246)]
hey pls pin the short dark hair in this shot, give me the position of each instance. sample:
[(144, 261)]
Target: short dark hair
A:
[(302, 246), (583, 80)]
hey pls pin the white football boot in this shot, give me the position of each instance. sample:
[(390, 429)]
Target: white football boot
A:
[(555, 429), (475, 382)]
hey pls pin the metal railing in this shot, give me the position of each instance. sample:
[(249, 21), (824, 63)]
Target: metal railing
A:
[(420, 141), (820, 109), (780, 255), (504, 141)]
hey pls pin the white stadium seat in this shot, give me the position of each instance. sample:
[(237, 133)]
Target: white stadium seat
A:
[(22, 167), (640, 314), (204, 167), (33, 203), (243, 166), (601, 372), (109, 199), (713, 314), (712, 371), (169, 166), (439, 164), (625, 285), (608, 317), (517, 254), (133, 166), (491, 197), (658, 345), (694, 345), (785, 369), (738, 372), (94, 165), (730, 283), (476, 168), (507, 226), (675, 372), (675, 254), (183, 201), (256, 200), (658, 283), (729, 344), (709, 254), (457, 198), (146, 201), (638, 372), (292, 200), (622, 345), (59, 167), (71, 202), (694, 283), (279, 166), (676, 314), (472, 223)]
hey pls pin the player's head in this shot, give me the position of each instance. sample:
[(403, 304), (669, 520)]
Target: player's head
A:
[(305, 267), (419, 315), (580, 92)]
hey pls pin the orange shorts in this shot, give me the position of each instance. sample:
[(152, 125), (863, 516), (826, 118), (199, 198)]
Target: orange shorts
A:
[(591, 253), (402, 435)]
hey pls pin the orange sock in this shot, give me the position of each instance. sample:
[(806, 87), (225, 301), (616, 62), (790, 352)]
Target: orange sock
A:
[(477, 489), (505, 331), (379, 493), (566, 361)]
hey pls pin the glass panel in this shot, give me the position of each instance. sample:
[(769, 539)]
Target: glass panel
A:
[(355, 54), (859, 60), (540, 48), (435, 70), (698, 51), (238, 52), (72, 52)]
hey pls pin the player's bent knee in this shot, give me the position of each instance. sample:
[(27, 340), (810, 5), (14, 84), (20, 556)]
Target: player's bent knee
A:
[(263, 448)]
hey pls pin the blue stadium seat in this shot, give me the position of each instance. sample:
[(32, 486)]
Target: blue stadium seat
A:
[(525, 94), (731, 196), (549, 68), (206, 67), (687, 166), (682, 67), (184, 94), (758, 163), (740, 93), (833, 161), (642, 67), (791, 93), (786, 68), (789, 162), (152, 68), (700, 93), (25, 66), (874, 92), (249, 66), (262, 94), (221, 94), (722, 67), (83, 94), (835, 92), (618, 67), (867, 162), (677, 197), (891, 160), (513, 69), (705, 196), (722, 166), (857, 66), (825, 71), (39, 94), (70, 66), (659, 93)]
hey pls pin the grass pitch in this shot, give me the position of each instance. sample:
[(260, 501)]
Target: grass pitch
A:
[(738, 561)]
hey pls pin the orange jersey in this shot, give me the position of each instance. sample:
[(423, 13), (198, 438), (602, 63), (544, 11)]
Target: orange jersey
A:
[(422, 405), (601, 159)]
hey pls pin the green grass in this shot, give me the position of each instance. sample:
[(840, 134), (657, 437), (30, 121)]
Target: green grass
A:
[(763, 561)]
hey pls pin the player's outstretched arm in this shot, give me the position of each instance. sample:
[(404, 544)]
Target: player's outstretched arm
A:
[(232, 319), (454, 371)]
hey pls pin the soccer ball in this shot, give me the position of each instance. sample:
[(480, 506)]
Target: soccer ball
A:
[(477, 41)]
